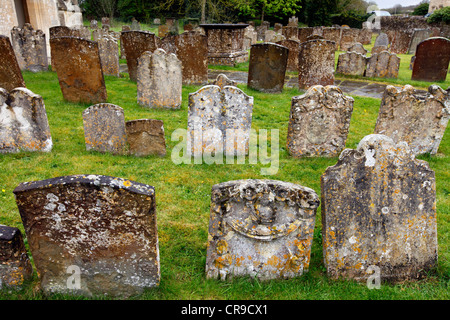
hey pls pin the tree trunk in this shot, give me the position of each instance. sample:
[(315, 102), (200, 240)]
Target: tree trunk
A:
[(203, 11)]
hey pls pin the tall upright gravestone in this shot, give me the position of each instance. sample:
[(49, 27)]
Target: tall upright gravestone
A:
[(432, 59), (294, 47), (10, 74), (30, 47), (316, 63), (109, 54)]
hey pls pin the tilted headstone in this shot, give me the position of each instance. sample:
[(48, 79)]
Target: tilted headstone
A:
[(357, 47), (219, 121), (10, 74), (351, 63), (379, 211), (418, 36), (316, 63), (383, 65), (381, 40), (159, 80), (260, 228), (79, 69), (92, 235), (319, 122), (418, 119), (15, 265), (294, 48), (146, 137), (104, 128), (23, 122), (267, 68), (30, 47), (432, 59)]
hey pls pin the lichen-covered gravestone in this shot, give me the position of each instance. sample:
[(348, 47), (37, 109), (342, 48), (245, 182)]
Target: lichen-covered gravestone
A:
[(319, 122), (382, 40), (15, 265), (222, 80), (91, 234), (316, 63), (109, 54), (260, 228), (379, 211), (104, 128), (146, 137), (432, 59), (23, 122), (418, 36), (10, 74), (30, 48), (159, 80), (416, 118), (351, 63), (79, 69), (357, 47), (294, 47), (349, 36), (383, 65)]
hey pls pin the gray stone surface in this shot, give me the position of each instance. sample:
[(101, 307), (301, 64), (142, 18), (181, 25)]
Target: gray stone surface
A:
[(146, 137), (30, 47), (351, 63), (383, 65), (316, 63)]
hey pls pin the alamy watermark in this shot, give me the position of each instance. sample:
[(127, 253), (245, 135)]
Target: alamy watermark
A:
[(74, 280), (374, 280)]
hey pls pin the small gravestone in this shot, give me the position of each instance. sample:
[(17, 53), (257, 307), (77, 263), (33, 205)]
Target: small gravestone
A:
[(349, 36), (91, 235), (267, 68), (10, 74), (146, 137), (277, 27), (383, 65), (15, 265), (365, 36), (294, 47), (382, 40), (219, 120), (260, 228), (319, 122), (400, 41), (316, 63), (351, 63), (293, 21), (357, 47), (30, 48), (106, 22), (379, 211), (93, 24), (163, 30), (79, 69), (269, 35), (304, 33), (104, 128), (135, 25), (332, 34), (109, 55), (159, 80), (290, 32), (416, 118), (432, 59), (23, 122), (222, 81), (418, 36)]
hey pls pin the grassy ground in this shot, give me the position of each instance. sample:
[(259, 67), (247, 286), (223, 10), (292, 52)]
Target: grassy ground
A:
[(183, 196)]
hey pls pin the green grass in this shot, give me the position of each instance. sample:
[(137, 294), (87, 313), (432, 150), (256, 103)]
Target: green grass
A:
[(183, 196)]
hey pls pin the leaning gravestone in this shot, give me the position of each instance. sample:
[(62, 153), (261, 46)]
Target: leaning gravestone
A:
[(260, 228), (159, 80), (15, 265), (379, 211), (104, 128), (294, 48), (99, 229), (418, 36), (30, 48), (146, 137), (432, 59), (23, 122), (10, 74), (418, 119), (351, 63), (267, 68), (219, 121), (319, 122), (383, 65), (79, 69), (316, 63)]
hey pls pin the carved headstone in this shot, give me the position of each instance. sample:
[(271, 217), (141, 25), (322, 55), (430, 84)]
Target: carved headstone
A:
[(418, 119), (319, 122), (316, 63), (400, 41), (432, 59), (30, 48), (383, 65), (379, 211), (260, 228), (351, 63), (294, 48), (146, 137), (10, 74), (99, 228), (23, 122)]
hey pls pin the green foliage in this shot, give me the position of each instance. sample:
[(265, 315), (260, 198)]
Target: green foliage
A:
[(350, 18), (421, 9), (441, 15), (318, 13)]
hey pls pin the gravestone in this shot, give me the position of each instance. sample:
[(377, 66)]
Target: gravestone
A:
[(351, 63), (99, 228), (10, 74), (432, 59), (250, 37), (416, 118), (293, 21), (400, 41), (379, 211), (106, 21), (163, 30), (349, 36), (269, 35), (146, 137), (219, 121), (381, 40), (418, 36), (319, 122), (304, 33), (277, 27), (135, 25), (30, 48), (15, 265), (93, 24), (316, 63), (290, 32), (159, 80), (357, 47), (109, 55), (260, 228), (104, 128), (383, 65), (23, 122), (79, 69), (135, 43), (378, 49), (365, 36), (294, 48), (332, 34), (222, 80), (267, 68), (261, 30)]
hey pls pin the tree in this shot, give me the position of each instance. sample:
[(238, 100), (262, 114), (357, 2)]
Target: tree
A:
[(421, 9), (262, 8)]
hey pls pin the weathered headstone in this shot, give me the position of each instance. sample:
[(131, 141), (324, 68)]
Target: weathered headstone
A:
[(400, 41), (23, 122), (30, 48), (316, 63), (293, 21), (332, 34), (93, 24), (261, 30), (104, 128), (294, 48), (290, 32), (319, 122), (106, 21), (277, 27), (378, 49), (99, 229), (418, 119), (219, 121), (351, 63), (383, 65), (269, 35), (304, 33), (260, 228), (432, 59), (159, 80), (381, 40), (146, 137), (10, 74), (365, 36), (349, 36), (222, 80), (163, 30), (250, 37), (135, 25), (15, 265), (267, 68), (418, 36), (357, 47), (379, 211), (79, 69), (109, 55)]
